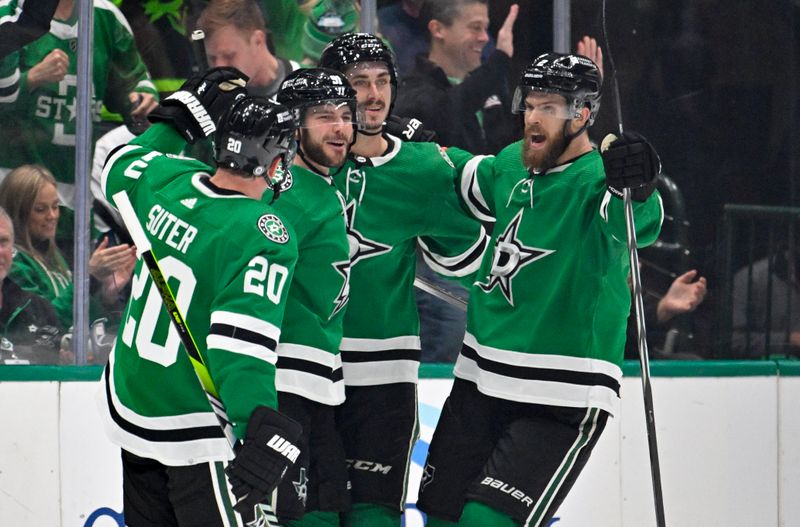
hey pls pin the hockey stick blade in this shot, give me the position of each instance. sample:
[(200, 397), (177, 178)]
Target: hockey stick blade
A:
[(439, 292)]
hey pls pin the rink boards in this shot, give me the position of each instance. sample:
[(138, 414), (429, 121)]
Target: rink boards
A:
[(728, 433)]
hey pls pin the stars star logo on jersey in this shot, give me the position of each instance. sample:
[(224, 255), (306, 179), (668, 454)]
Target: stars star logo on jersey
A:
[(510, 255), (301, 487), (273, 228), (361, 248), (343, 268)]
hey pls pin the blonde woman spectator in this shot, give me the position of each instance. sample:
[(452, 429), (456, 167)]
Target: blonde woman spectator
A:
[(30, 196)]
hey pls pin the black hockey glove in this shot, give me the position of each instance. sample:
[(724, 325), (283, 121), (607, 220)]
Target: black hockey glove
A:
[(630, 162), (195, 109), (262, 459), (409, 129)]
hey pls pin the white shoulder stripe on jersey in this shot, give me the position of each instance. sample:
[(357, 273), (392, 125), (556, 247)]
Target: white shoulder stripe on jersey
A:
[(309, 353), (471, 190), (110, 163), (114, 10), (459, 265), (408, 342), (247, 322), (535, 360), (242, 347)]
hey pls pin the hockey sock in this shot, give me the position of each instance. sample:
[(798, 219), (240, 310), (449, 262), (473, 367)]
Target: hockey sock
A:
[(315, 519), (371, 515), (479, 515)]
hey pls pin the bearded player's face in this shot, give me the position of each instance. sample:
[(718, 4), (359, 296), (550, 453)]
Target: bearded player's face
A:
[(327, 133), (373, 85), (544, 142)]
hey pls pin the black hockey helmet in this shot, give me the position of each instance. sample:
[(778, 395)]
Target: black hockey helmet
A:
[(253, 133), (574, 77), (308, 87), (352, 48)]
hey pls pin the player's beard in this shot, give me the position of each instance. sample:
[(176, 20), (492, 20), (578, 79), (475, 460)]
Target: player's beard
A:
[(315, 151), (545, 158), (369, 123)]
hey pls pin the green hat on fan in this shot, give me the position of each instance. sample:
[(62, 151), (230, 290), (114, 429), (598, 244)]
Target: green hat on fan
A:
[(327, 20)]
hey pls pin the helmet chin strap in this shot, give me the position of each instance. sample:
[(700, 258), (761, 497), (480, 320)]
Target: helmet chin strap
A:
[(373, 134)]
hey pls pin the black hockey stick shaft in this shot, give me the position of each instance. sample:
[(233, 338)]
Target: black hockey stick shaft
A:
[(145, 250), (641, 330), (439, 292), (197, 38)]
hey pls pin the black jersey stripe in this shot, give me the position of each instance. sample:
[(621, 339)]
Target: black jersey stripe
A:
[(239, 333), (380, 356), (466, 261), (307, 366), (540, 374), (162, 436)]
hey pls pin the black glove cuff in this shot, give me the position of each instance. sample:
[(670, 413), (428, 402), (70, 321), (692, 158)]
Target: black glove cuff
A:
[(640, 193)]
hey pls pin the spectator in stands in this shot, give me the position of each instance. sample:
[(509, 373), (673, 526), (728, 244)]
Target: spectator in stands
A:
[(236, 35), (30, 197), (683, 296), (31, 331), (40, 126), (400, 24), (467, 104), (766, 305)]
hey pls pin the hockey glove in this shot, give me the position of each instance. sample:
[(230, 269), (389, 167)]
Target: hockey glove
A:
[(630, 162), (409, 129), (262, 459), (195, 109)]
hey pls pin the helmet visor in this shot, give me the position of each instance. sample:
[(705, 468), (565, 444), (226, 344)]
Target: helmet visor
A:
[(335, 111), (546, 104)]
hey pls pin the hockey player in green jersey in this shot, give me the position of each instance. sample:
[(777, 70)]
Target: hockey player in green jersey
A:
[(539, 372), (45, 107), (309, 376), (398, 195), (228, 258)]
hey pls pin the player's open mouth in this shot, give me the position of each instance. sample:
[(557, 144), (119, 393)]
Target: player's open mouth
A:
[(537, 140)]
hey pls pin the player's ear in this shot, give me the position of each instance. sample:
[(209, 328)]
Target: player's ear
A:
[(580, 120)]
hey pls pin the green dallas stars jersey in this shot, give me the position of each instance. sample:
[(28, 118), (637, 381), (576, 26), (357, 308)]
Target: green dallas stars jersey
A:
[(395, 201), (48, 112), (229, 261), (309, 364), (548, 310)]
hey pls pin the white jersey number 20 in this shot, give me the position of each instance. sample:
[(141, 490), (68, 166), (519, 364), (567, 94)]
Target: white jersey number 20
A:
[(143, 331)]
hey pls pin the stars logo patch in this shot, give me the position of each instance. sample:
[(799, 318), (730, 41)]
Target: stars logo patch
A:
[(273, 228), (510, 255)]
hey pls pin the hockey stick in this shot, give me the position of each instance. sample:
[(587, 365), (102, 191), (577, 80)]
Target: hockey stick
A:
[(442, 294), (145, 250), (641, 331), (197, 39)]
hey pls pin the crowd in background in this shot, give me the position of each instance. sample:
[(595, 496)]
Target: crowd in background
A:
[(456, 72)]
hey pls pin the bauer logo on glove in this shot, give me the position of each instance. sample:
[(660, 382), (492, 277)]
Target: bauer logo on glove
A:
[(630, 162)]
